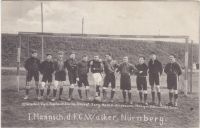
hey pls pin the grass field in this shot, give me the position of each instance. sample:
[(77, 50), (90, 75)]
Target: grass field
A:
[(15, 114)]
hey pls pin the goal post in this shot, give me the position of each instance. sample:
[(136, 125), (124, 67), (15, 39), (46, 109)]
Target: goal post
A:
[(43, 37), (18, 62), (186, 65)]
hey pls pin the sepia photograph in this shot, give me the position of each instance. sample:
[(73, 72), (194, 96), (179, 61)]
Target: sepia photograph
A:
[(100, 63)]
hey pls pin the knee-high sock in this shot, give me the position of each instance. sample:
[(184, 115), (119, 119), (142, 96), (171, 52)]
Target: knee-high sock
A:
[(80, 94), (98, 90), (170, 97), (140, 95), (37, 88), (86, 93), (129, 96), (54, 92), (124, 95), (112, 94), (61, 90), (27, 88), (48, 91), (104, 94), (145, 97), (175, 97), (27, 91), (41, 92), (70, 92), (159, 96), (153, 96)]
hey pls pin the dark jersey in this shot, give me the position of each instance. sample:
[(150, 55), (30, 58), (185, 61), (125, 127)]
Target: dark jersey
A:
[(126, 68), (32, 64), (96, 66), (155, 67), (141, 67), (71, 65), (83, 68), (173, 69), (110, 66), (47, 67)]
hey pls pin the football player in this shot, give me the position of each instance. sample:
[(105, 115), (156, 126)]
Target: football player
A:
[(126, 70), (173, 71), (71, 65), (83, 69), (155, 71), (141, 79), (109, 68), (32, 70), (46, 69), (60, 75), (96, 67)]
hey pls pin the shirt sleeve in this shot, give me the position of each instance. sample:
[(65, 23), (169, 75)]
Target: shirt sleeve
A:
[(118, 68), (160, 68), (101, 66), (149, 64), (166, 70), (66, 65), (116, 65), (78, 67), (41, 67), (52, 67), (146, 67), (179, 71), (55, 65), (26, 64), (132, 69)]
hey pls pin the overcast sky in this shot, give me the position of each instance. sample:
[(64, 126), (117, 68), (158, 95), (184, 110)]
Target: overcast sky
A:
[(103, 17)]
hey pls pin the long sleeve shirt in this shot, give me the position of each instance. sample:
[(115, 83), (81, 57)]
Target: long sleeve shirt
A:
[(83, 68), (173, 69), (110, 66), (141, 67), (32, 64), (71, 65), (47, 67), (155, 67), (126, 68)]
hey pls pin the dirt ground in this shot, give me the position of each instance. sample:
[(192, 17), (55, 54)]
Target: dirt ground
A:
[(16, 111)]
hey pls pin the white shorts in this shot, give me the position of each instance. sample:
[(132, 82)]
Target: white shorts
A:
[(97, 78)]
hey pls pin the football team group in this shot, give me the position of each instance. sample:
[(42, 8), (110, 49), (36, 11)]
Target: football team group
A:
[(54, 73)]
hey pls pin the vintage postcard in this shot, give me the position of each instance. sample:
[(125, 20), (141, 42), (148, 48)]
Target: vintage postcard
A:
[(93, 63)]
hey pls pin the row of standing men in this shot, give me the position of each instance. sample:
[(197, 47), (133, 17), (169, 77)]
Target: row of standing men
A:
[(78, 75)]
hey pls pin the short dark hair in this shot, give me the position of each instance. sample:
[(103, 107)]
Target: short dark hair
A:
[(173, 55), (84, 55), (153, 53), (109, 54), (142, 57), (48, 54)]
